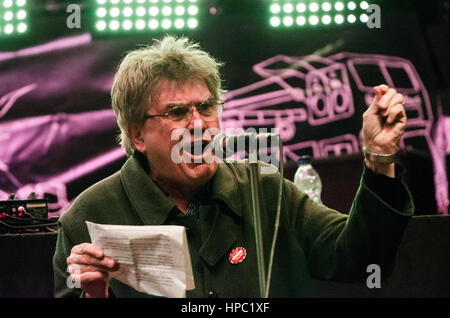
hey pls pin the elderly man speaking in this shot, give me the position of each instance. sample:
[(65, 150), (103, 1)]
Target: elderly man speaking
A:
[(172, 85)]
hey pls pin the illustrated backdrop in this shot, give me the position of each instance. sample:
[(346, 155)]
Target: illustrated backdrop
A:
[(58, 132)]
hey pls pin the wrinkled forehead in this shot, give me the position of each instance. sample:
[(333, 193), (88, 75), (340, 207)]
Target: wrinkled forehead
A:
[(168, 91)]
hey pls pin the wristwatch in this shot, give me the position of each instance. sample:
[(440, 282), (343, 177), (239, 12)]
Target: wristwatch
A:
[(380, 158)]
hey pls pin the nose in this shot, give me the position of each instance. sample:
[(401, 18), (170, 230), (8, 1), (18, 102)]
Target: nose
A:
[(196, 120), (195, 114)]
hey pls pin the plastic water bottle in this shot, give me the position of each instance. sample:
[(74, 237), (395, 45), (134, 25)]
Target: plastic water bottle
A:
[(307, 179)]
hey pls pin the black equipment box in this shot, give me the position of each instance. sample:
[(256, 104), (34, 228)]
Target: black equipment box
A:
[(38, 208)]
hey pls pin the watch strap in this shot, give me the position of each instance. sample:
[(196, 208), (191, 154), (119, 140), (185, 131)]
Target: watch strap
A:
[(380, 158)]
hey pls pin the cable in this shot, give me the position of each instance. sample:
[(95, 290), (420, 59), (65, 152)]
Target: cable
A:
[(30, 219), (51, 230), (277, 219), (33, 217), (22, 224), (27, 226)]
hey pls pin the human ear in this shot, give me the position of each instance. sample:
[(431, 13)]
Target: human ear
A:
[(136, 134)]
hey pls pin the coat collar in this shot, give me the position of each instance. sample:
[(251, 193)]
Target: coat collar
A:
[(225, 188), (152, 204)]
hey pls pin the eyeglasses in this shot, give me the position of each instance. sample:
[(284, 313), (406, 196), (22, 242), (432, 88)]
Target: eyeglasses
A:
[(209, 109)]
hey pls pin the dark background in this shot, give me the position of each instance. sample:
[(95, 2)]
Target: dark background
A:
[(240, 36)]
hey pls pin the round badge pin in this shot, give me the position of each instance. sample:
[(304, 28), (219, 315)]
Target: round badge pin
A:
[(237, 255)]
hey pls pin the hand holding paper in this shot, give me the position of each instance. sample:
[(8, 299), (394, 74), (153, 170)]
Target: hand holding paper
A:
[(153, 259), (89, 267)]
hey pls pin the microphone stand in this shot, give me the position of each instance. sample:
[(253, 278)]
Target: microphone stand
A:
[(254, 187), (264, 283)]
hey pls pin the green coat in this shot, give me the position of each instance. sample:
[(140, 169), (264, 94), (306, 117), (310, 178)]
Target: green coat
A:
[(312, 240)]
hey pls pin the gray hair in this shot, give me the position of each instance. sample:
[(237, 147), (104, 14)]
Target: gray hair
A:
[(135, 82)]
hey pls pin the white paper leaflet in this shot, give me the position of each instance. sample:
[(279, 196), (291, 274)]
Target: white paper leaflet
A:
[(153, 259)]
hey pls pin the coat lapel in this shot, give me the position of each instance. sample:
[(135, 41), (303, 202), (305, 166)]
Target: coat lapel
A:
[(150, 203), (218, 234), (221, 221)]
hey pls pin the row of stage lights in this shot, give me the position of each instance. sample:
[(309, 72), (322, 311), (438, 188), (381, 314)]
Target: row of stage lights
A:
[(139, 15), (112, 16), (301, 13), (13, 17)]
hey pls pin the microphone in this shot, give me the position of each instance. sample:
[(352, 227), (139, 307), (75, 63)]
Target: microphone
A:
[(243, 142), (230, 144)]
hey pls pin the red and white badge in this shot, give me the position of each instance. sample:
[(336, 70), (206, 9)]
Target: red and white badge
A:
[(237, 255)]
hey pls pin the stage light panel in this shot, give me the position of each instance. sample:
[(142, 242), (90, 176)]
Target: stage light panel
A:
[(326, 6), (140, 24), (351, 5), (288, 21), (153, 24), (114, 12), (127, 24), (166, 24), (274, 21), (339, 6), (140, 11), (166, 11), (192, 23), (363, 18), (179, 10), (288, 7), (313, 7), (339, 19), (275, 8), (144, 15), (301, 20), (179, 23), (114, 25), (192, 10), (126, 12), (351, 18), (301, 7), (8, 16), (13, 17), (21, 14), (100, 25), (101, 12), (303, 13), (313, 20), (326, 19)]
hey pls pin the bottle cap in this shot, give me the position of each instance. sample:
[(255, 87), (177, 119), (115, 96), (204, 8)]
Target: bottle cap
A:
[(305, 159)]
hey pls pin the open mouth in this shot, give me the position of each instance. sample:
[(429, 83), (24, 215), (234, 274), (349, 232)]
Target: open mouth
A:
[(197, 150)]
